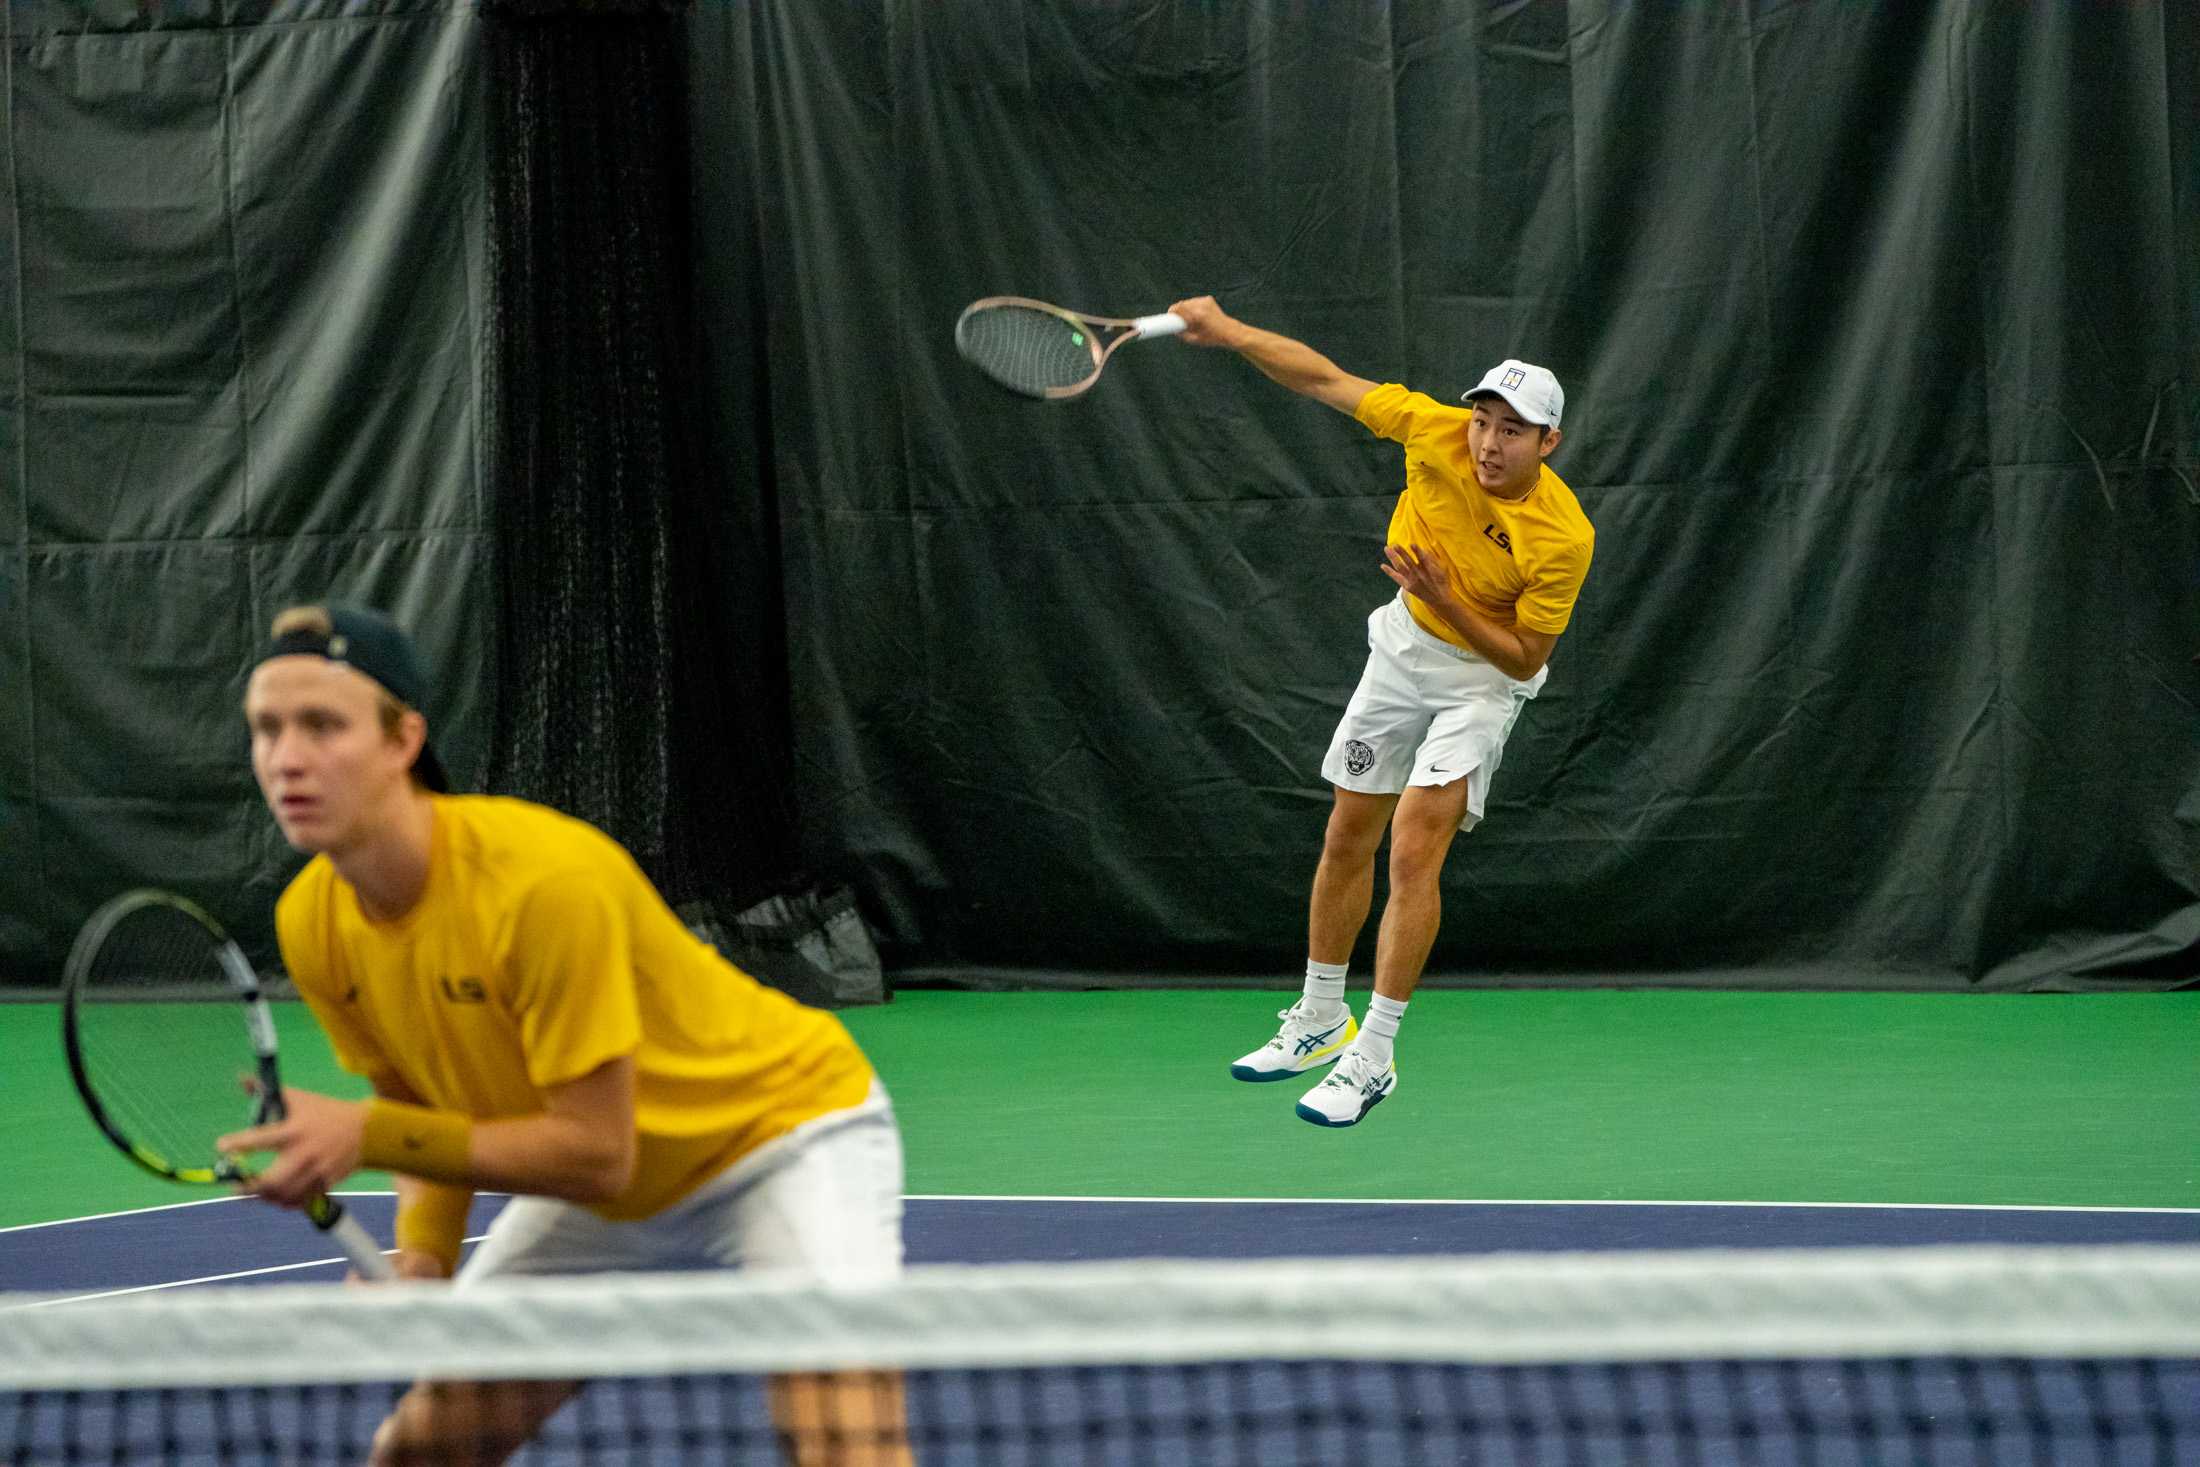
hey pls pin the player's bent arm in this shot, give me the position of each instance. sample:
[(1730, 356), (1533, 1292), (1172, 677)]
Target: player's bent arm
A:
[(579, 1147), (1424, 575), (1514, 651), (1536, 649), (431, 1216)]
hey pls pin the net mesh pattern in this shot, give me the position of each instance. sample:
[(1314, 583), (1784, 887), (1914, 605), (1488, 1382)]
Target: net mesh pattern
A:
[(629, 692), (1944, 1356), (1026, 350), (2089, 1414)]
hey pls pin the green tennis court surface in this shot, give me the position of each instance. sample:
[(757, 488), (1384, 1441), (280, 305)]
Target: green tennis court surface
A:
[(2034, 1100)]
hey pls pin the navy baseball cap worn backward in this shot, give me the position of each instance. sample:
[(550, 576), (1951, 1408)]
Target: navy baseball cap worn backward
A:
[(369, 642)]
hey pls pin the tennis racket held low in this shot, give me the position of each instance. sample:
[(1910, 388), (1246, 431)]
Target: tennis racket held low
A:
[(323, 1211), (149, 1027)]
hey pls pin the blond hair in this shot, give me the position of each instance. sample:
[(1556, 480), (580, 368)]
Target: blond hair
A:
[(313, 620)]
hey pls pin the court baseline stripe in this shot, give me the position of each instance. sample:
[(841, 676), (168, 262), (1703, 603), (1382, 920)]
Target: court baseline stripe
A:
[(92, 1217), (1292, 1201), (1540, 1202)]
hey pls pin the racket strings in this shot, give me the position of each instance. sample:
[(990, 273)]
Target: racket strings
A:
[(161, 1034), (1025, 350)]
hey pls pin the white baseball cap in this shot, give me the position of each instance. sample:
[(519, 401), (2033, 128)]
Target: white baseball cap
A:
[(1532, 390)]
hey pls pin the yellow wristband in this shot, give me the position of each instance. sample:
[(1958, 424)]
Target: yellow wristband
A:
[(432, 1220), (436, 1145)]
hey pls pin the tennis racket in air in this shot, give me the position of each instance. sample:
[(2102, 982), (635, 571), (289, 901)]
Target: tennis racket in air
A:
[(160, 1012), (1045, 351)]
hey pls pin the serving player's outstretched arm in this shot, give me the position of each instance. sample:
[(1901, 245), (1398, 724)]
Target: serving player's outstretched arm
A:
[(1290, 362)]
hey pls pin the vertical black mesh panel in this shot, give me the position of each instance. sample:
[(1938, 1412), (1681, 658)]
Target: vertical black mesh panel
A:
[(626, 696)]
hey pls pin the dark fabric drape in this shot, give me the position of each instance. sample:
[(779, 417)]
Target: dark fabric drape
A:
[(626, 697), (237, 372), (392, 304)]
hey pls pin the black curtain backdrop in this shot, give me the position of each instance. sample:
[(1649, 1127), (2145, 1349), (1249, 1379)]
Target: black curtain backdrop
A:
[(389, 303), (627, 696), (1877, 323), (238, 354)]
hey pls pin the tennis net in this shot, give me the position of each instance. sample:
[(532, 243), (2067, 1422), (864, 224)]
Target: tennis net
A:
[(1956, 1357)]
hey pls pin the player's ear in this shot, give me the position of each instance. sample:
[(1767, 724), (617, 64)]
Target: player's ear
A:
[(1550, 442), (412, 733)]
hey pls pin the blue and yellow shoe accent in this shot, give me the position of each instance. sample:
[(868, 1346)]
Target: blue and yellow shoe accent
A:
[(1348, 1093), (1295, 1049)]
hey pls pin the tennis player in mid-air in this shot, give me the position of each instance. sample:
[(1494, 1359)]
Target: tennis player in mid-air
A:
[(534, 1019), (1488, 548)]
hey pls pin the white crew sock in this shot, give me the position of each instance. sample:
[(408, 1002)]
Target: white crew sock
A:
[(1379, 1030), (1324, 997)]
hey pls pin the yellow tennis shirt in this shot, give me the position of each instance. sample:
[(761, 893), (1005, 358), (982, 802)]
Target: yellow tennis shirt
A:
[(1517, 562), (538, 952)]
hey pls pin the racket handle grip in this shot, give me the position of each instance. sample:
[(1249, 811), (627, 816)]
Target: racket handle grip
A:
[(1168, 323), (358, 1245)]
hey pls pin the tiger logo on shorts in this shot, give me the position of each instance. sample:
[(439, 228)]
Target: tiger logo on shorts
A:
[(1359, 758)]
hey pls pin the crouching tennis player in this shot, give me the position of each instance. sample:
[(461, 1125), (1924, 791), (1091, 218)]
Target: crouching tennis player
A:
[(534, 1019)]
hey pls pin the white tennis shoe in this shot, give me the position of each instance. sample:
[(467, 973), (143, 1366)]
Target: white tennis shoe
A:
[(1300, 1045), (1356, 1086)]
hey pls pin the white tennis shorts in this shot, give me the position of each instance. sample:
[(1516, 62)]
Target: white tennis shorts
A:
[(1425, 712), (824, 1200)]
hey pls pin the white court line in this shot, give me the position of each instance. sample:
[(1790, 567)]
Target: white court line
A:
[(1551, 1202), (212, 1278), (1333, 1202), (200, 1202), (61, 1222), (1064, 1198), (164, 1207)]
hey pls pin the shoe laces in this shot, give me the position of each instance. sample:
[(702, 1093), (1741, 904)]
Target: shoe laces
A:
[(1354, 1069), (1337, 1079), (1299, 1014)]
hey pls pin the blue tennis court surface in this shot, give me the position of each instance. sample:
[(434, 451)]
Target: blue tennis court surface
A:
[(234, 1240)]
